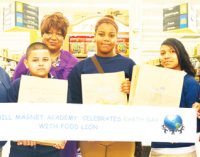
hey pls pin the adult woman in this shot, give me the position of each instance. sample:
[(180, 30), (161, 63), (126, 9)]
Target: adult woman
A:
[(174, 56), (105, 37), (53, 30)]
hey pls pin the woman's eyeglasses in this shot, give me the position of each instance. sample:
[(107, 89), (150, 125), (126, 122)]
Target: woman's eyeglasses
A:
[(49, 35)]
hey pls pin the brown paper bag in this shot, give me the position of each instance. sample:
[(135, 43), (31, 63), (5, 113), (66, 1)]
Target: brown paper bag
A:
[(156, 86), (103, 88)]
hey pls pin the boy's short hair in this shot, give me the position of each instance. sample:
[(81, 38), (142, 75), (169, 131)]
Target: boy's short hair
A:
[(35, 46)]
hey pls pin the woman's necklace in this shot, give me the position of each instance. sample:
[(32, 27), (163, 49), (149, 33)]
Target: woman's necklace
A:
[(56, 62)]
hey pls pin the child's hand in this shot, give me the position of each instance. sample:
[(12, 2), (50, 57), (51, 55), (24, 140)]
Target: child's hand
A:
[(26, 143), (196, 106), (60, 146), (125, 87)]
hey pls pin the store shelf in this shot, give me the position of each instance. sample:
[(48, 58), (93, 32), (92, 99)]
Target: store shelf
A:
[(9, 59), (80, 55), (197, 57)]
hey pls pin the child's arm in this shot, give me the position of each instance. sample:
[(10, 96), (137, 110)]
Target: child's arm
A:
[(53, 143), (197, 107), (60, 145), (26, 143)]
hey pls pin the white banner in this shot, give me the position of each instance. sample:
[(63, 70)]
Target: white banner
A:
[(96, 122)]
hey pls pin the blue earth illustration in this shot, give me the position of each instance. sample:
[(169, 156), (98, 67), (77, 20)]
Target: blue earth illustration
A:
[(173, 122)]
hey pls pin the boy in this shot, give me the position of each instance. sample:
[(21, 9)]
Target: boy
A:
[(38, 61)]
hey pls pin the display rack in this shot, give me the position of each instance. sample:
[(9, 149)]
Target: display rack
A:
[(8, 62), (9, 59), (81, 45), (196, 63)]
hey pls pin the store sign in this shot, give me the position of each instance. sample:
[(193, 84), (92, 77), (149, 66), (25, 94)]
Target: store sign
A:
[(21, 15), (171, 23), (26, 15), (9, 17), (96, 122), (179, 17), (171, 18)]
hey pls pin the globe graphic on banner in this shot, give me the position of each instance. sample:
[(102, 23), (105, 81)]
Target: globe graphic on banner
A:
[(173, 122)]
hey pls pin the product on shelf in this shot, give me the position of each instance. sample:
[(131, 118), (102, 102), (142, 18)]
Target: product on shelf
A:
[(122, 46), (8, 61), (77, 45), (82, 45)]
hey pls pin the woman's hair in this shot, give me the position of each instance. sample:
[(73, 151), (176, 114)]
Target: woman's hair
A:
[(106, 19), (56, 21), (183, 57)]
